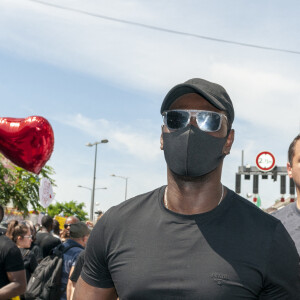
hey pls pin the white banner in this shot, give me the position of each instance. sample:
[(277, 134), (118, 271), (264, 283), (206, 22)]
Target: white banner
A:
[(46, 192)]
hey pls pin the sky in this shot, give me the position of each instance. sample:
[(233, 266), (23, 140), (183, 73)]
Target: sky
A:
[(94, 77)]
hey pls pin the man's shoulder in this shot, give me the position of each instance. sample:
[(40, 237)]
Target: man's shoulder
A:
[(285, 211), (133, 210), (48, 239), (10, 252), (138, 202), (40, 236), (6, 243), (250, 212)]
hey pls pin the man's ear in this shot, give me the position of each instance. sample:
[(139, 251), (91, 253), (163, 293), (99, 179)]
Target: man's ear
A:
[(229, 142), (289, 170), (161, 138)]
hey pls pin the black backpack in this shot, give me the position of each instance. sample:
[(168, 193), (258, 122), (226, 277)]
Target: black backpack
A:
[(45, 281)]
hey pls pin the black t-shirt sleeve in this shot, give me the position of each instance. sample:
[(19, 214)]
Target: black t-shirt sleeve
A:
[(78, 267), (282, 280), (95, 271), (13, 259)]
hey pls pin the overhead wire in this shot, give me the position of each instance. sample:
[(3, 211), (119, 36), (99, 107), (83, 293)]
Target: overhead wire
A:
[(182, 33)]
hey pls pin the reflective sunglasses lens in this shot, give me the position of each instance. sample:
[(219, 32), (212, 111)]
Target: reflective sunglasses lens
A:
[(176, 119), (209, 121)]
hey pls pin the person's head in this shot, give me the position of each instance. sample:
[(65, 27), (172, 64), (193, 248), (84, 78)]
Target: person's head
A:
[(293, 165), (70, 220), (196, 134), (47, 222), (1, 213), (20, 233), (80, 232), (56, 229), (100, 214), (32, 229)]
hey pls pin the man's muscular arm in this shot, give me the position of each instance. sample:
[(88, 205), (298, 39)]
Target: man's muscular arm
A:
[(16, 287), (86, 291)]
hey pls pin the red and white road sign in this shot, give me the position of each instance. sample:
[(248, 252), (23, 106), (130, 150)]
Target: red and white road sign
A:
[(265, 161)]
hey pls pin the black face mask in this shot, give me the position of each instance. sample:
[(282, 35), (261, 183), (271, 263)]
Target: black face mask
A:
[(192, 152)]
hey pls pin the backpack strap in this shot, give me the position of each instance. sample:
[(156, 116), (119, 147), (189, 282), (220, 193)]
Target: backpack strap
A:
[(60, 249), (26, 253)]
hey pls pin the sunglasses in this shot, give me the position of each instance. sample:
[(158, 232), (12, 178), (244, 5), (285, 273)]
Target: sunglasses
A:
[(67, 225), (28, 236), (208, 121)]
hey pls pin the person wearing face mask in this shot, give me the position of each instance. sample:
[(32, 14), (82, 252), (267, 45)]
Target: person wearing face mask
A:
[(194, 238)]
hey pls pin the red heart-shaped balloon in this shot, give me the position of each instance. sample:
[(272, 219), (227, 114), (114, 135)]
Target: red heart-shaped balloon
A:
[(27, 142)]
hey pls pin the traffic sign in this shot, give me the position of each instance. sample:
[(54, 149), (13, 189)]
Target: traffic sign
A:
[(265, 161)]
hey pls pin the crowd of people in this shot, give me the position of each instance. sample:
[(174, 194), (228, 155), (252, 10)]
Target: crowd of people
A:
[(22, 248), (191, 239)]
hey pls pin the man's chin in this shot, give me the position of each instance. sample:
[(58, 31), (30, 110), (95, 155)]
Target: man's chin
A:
[(202, 178)]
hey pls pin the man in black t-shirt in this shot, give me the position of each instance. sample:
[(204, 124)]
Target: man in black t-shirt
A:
[(194, 238), (44, 239), (12, 273)]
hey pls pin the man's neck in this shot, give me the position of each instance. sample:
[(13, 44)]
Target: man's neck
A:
[(194, 196), (79, 241)]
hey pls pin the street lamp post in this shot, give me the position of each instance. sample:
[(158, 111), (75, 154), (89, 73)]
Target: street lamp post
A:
[(85, 187), (94, 179), (126, 179)]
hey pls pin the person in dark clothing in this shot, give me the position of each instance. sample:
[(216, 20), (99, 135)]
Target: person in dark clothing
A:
[(56, 230), (20, 233), (34, 248), (194, 238), (12, 273), (79, 233), (44, 239)]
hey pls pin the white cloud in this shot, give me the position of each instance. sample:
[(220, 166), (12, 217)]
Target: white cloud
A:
[(265, 99), (143, 145), (124, 54), (128, 55)]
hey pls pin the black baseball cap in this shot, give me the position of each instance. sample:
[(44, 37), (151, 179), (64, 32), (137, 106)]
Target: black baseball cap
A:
[(214, 93), (79, 230)]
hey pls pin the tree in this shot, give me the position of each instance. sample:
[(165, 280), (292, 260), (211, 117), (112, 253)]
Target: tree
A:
[(20, 186), (68, 209)]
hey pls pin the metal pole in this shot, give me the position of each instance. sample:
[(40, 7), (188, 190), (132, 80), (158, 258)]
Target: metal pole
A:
[(243, 159), (93, 189)]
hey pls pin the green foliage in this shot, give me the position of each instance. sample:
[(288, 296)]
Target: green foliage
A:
[(68, 209), (20, 186)]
